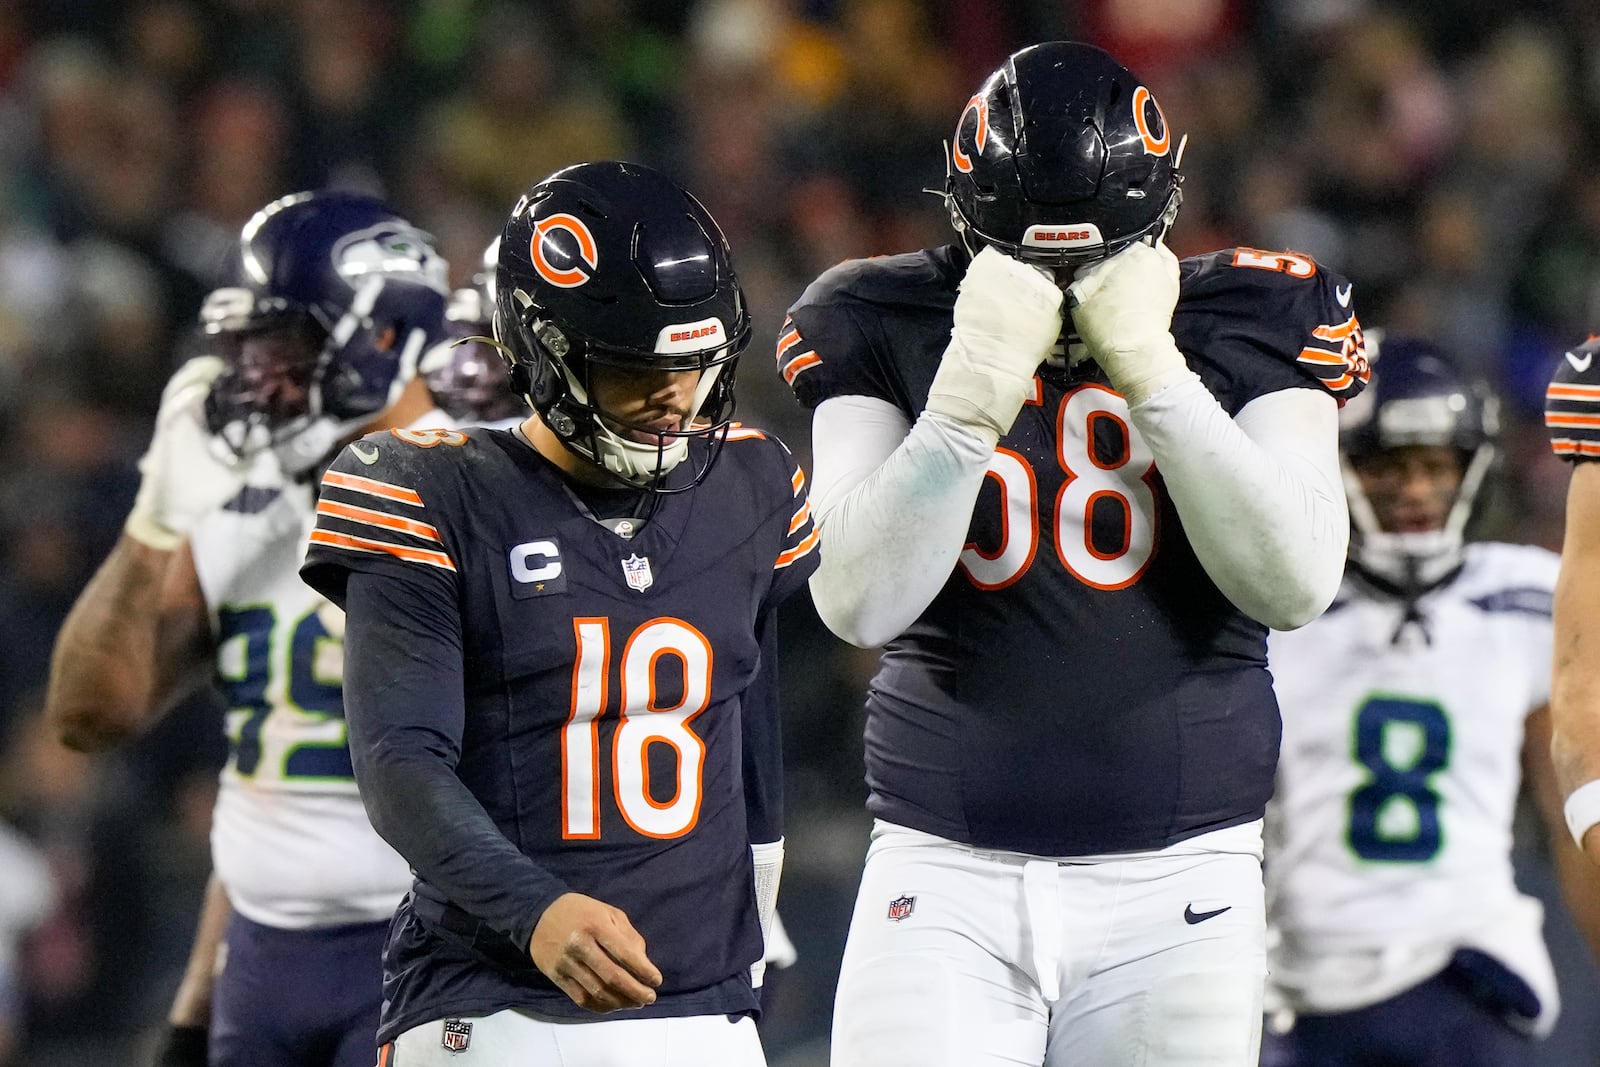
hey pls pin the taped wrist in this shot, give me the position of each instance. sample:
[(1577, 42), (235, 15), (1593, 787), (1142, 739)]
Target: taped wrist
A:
[(980, 397), (1142, 373), (767, 859), (149, 531), (1582, 809)]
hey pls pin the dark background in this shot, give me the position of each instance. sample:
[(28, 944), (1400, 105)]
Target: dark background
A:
[(1442, 155)]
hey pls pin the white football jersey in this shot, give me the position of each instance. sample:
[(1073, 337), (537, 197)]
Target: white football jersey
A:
[(1389, 837), (290, 839)]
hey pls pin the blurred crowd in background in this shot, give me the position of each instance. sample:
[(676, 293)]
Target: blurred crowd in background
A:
[(1440, 154)]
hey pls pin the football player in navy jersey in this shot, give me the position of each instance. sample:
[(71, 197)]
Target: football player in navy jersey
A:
[(337, 296), (1072, 545), (1572, 414), (560, 656)]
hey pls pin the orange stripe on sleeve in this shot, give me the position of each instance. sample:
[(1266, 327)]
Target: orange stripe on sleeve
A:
[(786, 342), (800, 517), (372, 487), (1574, 391), (1322, 358), (369, 517), (804, 361), (798, 481), (1576, 422), (799, 551), (363, 544)]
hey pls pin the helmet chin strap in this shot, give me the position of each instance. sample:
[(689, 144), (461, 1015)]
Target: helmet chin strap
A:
[(634, 462), (1414, 562)]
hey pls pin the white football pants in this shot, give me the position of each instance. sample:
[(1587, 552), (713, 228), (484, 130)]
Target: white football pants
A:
[(965, 957), (513, 1039)]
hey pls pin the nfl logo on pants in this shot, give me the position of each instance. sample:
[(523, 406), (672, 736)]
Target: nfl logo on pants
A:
[(457, 1033), (900, 907)]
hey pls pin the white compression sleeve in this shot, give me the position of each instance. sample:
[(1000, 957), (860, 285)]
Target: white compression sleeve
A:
[(1260, 495), (893, 502)]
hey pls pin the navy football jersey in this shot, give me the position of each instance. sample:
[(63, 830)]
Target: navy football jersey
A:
[(1079, 685), (607, 674), (1572, 404)]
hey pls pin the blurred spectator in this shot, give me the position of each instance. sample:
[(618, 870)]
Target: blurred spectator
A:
[(1434, 153)]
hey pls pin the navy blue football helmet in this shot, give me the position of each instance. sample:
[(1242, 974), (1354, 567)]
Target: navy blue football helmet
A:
[(1418, 396), (1062, 157), (467, 377), (614, 264), (337, 298)]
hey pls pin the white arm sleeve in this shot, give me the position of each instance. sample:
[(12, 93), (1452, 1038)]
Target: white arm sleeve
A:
[(894, 502), (1260, 494)]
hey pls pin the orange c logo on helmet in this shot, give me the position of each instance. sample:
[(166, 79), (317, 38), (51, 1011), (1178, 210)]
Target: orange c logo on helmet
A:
[(962, 161), (1142, 100), (568, 277)]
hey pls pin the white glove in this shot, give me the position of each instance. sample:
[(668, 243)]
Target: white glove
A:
[(768, 860), (1122, 309), (182, 479), (1007, 317)]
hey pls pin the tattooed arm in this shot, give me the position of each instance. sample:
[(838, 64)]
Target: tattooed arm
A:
[(137, 640)]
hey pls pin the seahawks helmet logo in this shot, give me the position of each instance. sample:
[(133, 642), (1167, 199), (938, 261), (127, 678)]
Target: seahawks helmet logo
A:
[(390, 249)]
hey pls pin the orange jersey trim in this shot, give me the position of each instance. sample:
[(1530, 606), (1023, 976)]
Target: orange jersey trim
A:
[(799, 551), (363, 544), (372, 487), (369, 517), (800, 517), (803, 362), (1586, 393), (787, 341)]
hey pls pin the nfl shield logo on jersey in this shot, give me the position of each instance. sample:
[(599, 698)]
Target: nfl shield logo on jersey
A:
[(636, 569), (900, 907), (457, 1035)]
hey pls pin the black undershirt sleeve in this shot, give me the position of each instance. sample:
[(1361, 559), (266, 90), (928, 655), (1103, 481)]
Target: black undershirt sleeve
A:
[(405, 706)]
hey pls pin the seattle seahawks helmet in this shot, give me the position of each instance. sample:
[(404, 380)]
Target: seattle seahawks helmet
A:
[(1418, 397), (466, 376), (613, 264), (347, 294), (1062, 157)]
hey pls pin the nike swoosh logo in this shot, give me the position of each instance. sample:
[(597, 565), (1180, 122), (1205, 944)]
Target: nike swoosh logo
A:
[(1342, 294), (1191, 916), (1580, 365), (367, 454)]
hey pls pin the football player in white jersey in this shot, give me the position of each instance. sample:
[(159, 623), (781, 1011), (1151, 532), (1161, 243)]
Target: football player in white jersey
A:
[(1411, 711), (467, 377), (338, 297)]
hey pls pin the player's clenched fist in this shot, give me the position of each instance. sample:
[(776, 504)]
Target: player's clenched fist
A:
[(1007, 316), (593, 954), (1122, 309), (181, 479)]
